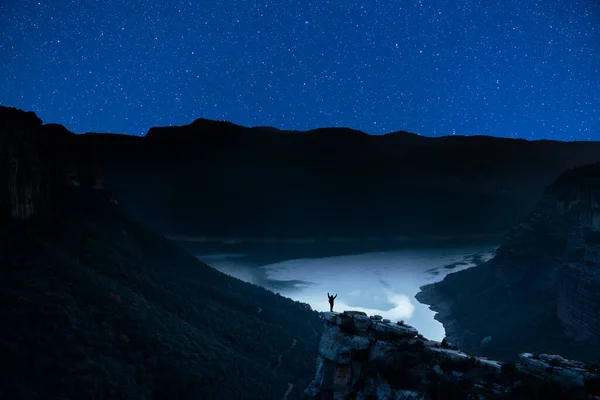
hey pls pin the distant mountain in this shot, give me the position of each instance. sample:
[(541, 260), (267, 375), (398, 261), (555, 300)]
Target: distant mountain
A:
[(542, 289), (94, 305), (218, 179)]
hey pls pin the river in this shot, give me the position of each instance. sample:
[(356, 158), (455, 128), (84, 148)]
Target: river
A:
[(376, 282)]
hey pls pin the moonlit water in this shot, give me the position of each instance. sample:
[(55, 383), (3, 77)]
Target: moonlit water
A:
[(382, 283)]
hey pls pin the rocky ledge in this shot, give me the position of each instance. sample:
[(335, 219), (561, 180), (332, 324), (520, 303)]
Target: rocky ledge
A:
[(368, 357)]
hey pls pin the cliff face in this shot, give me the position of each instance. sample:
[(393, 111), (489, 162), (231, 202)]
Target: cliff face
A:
[(363, 357), (558, 245), (544, 279), (579, 296), (23, 185), (35, 161), (579, 287), (38, 163)]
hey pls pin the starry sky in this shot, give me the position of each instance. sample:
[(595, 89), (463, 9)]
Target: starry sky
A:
[(513, 68)]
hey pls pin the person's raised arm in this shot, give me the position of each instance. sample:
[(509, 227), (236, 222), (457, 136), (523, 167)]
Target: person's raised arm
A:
[(335, 296), (328, 294)]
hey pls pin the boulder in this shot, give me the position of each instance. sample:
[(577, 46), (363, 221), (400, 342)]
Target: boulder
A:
[(351, 313), (329, 316), (347, 325), (361, 322), (337, 346), (380, 349), (329, 345), (359, 342), (380, 331), (403, 331), (380, 326)]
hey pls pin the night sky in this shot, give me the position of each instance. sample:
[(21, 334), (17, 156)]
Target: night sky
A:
[(516, 68)]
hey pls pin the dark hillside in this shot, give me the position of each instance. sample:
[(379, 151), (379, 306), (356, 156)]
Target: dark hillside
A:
[(540, 293), (95, 306)]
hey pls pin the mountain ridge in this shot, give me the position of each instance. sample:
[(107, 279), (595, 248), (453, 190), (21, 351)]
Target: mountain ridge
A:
[(211, 178), (204, 121)]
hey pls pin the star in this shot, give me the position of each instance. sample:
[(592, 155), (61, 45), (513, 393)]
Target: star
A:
[(430, 67)]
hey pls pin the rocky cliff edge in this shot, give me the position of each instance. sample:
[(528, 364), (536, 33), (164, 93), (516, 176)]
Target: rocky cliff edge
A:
[(367, 357)]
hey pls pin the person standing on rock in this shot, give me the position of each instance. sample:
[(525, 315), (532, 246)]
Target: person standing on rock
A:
[(331, 299)]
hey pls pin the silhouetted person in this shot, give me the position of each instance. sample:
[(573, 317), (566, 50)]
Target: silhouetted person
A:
[(331, 299)]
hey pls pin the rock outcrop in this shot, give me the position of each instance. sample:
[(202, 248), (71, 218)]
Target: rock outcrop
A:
[(363, 357), (37, 163), (23, 188), (543, 283)]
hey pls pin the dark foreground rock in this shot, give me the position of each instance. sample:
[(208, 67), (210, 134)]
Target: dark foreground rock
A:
[(362, 357)]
